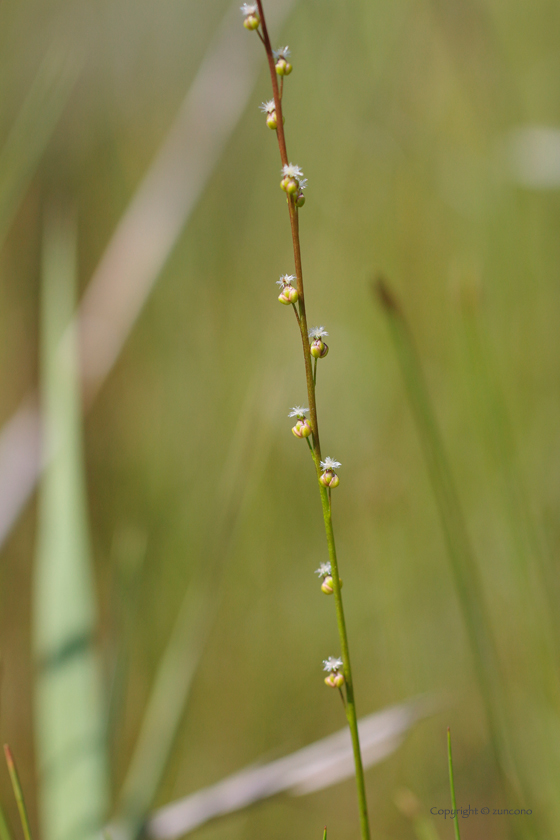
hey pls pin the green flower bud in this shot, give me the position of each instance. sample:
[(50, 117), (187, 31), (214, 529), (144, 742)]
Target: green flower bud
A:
[(302, 429), (319, 349), (329, 479), (292, 186), (282, 67), (335, 680), (327, 585), (288, 294), (252, 22), (284, 183), (300, 200), (271, 121)]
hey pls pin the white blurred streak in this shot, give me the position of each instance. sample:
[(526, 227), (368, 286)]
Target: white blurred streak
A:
[(312, 768), (533, 153), (145, 235), (20, 454)]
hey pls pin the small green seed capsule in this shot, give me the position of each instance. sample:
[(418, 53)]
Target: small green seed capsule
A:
[(271, 121), (302, 429), (251, 22), (300, 200), (281, 65), (319, 349), (288, 69), (335, 680), (284, 183), (292, 186), (327, 585), (329, 479)]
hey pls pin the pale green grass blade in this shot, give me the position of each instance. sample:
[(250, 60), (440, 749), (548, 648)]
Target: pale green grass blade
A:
[(172, 684), (38, 116), (452, 785), (69, 715), (18, 792)]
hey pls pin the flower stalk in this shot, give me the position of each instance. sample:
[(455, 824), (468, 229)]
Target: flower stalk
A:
[(314, 348)]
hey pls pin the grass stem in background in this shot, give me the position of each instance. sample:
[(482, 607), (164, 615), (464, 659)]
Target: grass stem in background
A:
[(18, 793), (452, 786), (463, 564), (69, 716)]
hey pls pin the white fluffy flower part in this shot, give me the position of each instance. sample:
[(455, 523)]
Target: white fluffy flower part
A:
[(290, 170), (298, 411), (331, 664), (286, 280), (249, 9), (302, 183), (330, 464), (324, 570), (268, 107), (317, 332), (281, 52)]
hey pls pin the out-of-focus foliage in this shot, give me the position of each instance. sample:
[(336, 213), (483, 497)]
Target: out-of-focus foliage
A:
[(405, 117)]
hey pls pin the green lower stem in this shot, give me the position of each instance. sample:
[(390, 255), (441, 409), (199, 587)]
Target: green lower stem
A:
[(350, 703)]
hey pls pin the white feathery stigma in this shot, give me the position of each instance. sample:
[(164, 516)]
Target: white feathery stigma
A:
[(302, 183), (290, 170), (286, 280), (330, 464), (298, 411), (331, 664), (281, 52), (317, 332), (324, 570), (268, 107), (249, 9)]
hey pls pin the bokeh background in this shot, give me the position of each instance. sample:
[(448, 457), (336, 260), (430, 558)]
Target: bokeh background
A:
[(430, 134)]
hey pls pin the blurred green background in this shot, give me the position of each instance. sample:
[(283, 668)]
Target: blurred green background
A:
[(419, 124)]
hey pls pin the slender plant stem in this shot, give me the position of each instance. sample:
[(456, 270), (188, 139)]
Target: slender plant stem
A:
[(452, 785), (18, 793), (310, 376)]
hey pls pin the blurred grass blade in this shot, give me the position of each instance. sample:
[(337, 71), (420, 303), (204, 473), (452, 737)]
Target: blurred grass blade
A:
[(5, 833), (164, 711), (69, 720), (18, 793), (32, 129), (313, 768), (422, 824), (452, 785), (465, 571), (172, 684)]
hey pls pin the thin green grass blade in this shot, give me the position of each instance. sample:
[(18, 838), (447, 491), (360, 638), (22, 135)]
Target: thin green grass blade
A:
[(422, 824), (325, 833), (176, 670), (68, 710), (26, 142), (18, 792), (5, 833), (452, 786), (463, 564)]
